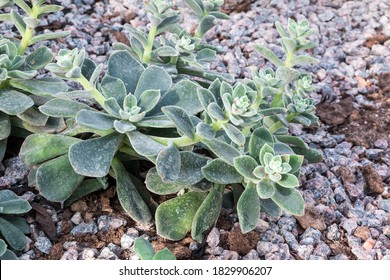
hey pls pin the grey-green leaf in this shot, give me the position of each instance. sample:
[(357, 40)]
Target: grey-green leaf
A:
[(41, 87), (289, 200), (93, 157), (181, 119), (265, 188), (245, 166), (174, 217), (13, 102), (144, 249), (168, 163), (95, 120), (63, 108), (39, 58), (258, 138), (56, 179), (5, 126), (164, 255), (124, 67), (234, 134), (14, 236), (153, 78), (113, 87), (155, 184), (248, 208), (288, 181), (85, 188), (128, 195), (268, 54), (149, 99), (222, 150), (143, 144), (220, 172), (207, 215), (270, 207), (38, 148)]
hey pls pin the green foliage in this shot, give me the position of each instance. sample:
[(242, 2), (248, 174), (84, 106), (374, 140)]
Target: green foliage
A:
[(12, 229), (146, 252), (18, 106), (202, 137)]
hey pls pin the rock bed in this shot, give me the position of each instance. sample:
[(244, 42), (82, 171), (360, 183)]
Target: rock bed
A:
[(347, 195)]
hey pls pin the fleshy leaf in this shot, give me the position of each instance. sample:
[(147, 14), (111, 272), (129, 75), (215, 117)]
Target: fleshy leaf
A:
[(289, 200), (128, 195), (164, 255), (93, 157), (174, 217), (288, 181), (41, 87), (85, 188), (265, 150), (207, 215), (38, 148), (10, 203), (234, 134), (155, 184), (56, 179), (270, 207), (95, 120), (191, 168), (144, 249), (265, 188), (5, 126), (220, 172), (143, 144), (153, 78), (34, 117), (149, 100), (311, 155), (223, 150), (168, 163), (13, 102), (63, 108), (14, 236), (113, 87), (248, 208), (245, 166), (39, 58), (124, 67), (258, 138), (181, 119)]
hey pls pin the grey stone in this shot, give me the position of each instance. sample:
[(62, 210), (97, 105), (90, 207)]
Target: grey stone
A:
[(43, 244), (29, 255), (349, 225), (193, 246), (85, 228), (384, 204), (216, 251), (70, 244), (374, 154), (252, 255), (311, 236), (127, 241), (107, 254), (322, 249), (76, 218), (88, 254), (304, 251), (264, 247), (361, 254), (115, 249), (229, 255), (291, 240), (69, 255), (15, 172), (103, 223), (213, 238), (117, 222), (333, 233), (381, 143)]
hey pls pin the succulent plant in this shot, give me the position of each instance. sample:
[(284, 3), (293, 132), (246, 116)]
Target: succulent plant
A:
[(204, 142), (20, 93), (146, 252), (170, 46), (12, 229)]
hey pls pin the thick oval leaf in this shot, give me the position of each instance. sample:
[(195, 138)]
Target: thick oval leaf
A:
[(34, 117), (223, 150), (191, 168), (41, 147), (289, 200), (124, 126), (3, 147), (293, 140), (216, 112), (164, 255), (63, 108), (207, 215), (220, 172), (56, 179), (264, 150), (181, 119), (113, 87), (205, 97), (288, 181), (143, 144), (41, 87), (153, 78), (5, 126), (156, 122), (248, 208), (265, 188), (10, 203), (93, 157), (245, 166), (205, 131), (174, 217), (295, 161), (311, 155), (124, 67), (13, 102), (20, 223), (183, 95), (155, 184), (14, 236), (270, 207), (258, 138), (268, 54), (8, 255), (234, 134), (205, 25), (144, 249), (128, 195), (95, 120), (149, 99), (282, 149), (168, 163), (39, 58)]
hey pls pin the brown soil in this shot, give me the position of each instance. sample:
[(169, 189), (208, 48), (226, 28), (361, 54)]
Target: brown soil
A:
[(361, 127), (241, 243)]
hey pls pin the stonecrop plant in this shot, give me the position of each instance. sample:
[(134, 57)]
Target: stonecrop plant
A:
[(158, 121), (20, 92)]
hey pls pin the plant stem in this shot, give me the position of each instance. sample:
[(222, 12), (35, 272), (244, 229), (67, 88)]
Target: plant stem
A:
[(289, 58), (179, 142), (26, 38), (148, 49), (95, 93), (278, 125)]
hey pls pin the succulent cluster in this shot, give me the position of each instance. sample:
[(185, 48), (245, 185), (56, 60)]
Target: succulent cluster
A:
[(205, 139), (12, 229)]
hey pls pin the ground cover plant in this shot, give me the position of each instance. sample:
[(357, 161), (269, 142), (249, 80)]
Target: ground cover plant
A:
[(198, 134)]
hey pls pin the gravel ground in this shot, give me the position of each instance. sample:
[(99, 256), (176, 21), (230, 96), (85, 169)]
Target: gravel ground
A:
[(347, 195)]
